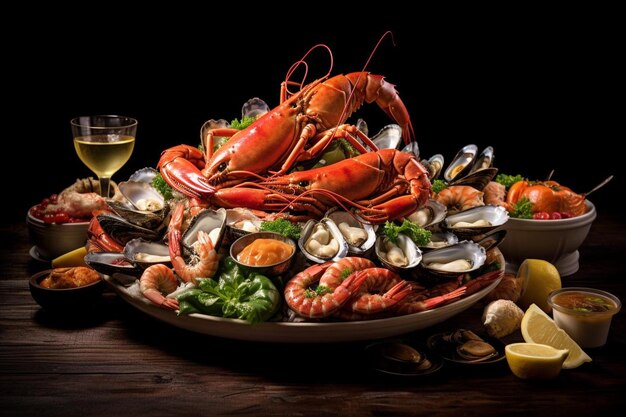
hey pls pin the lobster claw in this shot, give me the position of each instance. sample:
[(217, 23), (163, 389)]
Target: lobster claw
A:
[(180, 167)]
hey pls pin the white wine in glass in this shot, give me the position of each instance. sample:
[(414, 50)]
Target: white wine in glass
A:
[(104, 144)]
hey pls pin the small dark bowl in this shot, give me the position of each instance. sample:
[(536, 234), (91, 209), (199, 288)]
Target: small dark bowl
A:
[(270, 270), (65, 299)]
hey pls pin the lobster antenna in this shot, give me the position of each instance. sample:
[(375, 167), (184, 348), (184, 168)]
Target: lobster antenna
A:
[(302, 61), (345, 108)]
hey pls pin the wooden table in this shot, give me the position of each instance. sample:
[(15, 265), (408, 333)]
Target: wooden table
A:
[(119, 361)]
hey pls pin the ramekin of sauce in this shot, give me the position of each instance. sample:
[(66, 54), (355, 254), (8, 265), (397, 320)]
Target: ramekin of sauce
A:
[(584, 313), (263, 252)]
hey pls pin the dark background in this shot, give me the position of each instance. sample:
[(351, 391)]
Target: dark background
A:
[(541, 90)]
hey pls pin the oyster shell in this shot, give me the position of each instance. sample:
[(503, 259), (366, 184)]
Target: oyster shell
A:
[(322, 241), (475, 221), (389, 137), (461, 163), (456, 259), (360, 237), (403, 256), (362, 126), (255, 107), (144, 205), (440, 240), (429, 214), (145, 253), (241, 221), (213, 222), (144, 175), (123, 231)]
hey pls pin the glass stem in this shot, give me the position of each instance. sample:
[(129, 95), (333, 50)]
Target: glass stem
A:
[(104, 186)]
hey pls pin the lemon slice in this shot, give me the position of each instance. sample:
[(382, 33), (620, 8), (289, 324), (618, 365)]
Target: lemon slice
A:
[(541, 278), (70, 259), (534, 360), (538, 327)]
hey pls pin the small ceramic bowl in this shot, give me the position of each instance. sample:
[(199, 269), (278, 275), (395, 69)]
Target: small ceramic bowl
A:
[(52, 240), (555, 241), (272, 269), (66, 299)]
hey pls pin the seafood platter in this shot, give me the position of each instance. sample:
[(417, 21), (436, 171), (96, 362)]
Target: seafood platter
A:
[(291, 225)]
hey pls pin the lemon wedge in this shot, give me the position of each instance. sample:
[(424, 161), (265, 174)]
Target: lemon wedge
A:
[(538, 327), (72, 258), (535, 360), (541, 278)]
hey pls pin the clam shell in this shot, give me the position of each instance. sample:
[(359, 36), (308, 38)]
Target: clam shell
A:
[(409, 248), (495, 215), (140, 193), (146, 219), (332, 228), (461, 163), (429, 214), (389, 137), (465, 250), (255, 107), (144, 175), (237, 215), (354, 248), (145, 253), (207, 221)]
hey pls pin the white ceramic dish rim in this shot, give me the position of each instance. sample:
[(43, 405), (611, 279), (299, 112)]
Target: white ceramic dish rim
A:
[(555, 224)]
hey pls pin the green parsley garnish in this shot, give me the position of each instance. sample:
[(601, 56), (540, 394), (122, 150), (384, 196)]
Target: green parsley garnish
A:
[(508, 180), (282, 226), (417, 234), (245, 122), (439, 185), (523, 209), (162, 187)]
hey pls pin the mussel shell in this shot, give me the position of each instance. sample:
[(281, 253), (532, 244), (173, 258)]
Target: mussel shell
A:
[(434, 165), (429, 214), (445, 238), (340, 216), (136, 247), (109, 263), (255, 107), (470, 251), (495, 215), (461, 163), (484, 160), (477, 179), (410, 249), (144, 175), (389, 137), (307, 230), (122, 231), (206, 220), (492, 240)]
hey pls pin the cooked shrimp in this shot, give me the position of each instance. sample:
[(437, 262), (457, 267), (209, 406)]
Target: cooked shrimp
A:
[(204, 261), (155, 282), (312, 303), (381, 290), (495, 193), (460, 197), (340, 270), (415, 304)]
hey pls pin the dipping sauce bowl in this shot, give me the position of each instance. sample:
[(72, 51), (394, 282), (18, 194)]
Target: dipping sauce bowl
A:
[(584, 314)]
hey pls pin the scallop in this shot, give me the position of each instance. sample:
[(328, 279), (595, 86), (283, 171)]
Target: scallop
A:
[(476, 221), (429, 214), (213, 222), (389, 137), (456, 259), (399, 256), (461, 163), (322, 241), (360, 236)]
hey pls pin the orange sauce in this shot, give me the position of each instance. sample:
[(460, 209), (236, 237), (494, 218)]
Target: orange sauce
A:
[(265, 252), (584, 302)]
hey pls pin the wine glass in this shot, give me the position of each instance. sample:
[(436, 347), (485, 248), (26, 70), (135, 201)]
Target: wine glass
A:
[(104, 143)]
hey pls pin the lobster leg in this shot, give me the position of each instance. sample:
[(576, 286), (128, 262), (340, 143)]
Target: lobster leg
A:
[(208, 141)]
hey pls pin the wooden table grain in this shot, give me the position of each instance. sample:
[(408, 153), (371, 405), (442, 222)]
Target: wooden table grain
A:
[(119, 361)]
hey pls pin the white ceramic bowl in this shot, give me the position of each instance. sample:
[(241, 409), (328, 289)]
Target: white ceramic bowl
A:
[(556, 241), (52, 240)]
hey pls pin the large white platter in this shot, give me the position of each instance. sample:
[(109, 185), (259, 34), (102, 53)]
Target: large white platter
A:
[(288, 332)]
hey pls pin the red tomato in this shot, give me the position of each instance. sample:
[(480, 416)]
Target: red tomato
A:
[(542, 215)]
